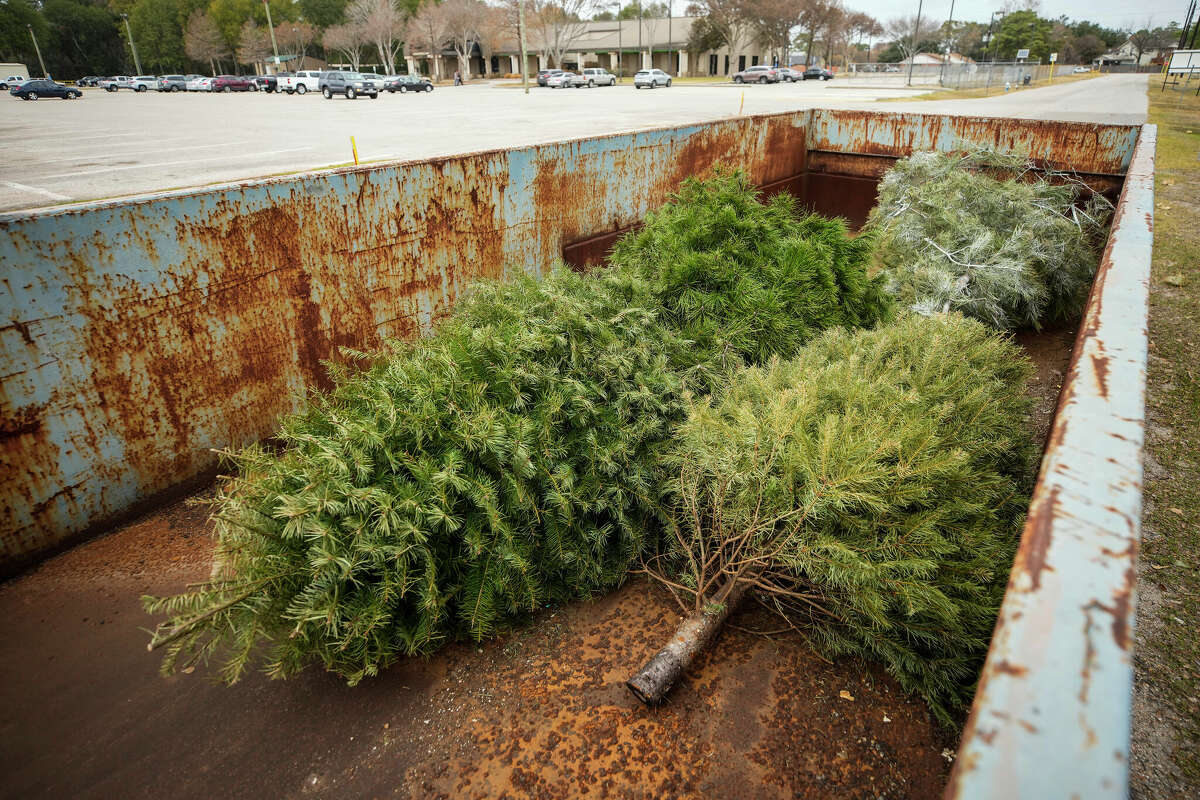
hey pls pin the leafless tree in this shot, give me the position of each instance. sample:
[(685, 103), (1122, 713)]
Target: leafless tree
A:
[(494, 33), (728, 18), (202, 40), (556, 25), (295, 38), (381, 24), (254, 44), (346, 39), (908, 36), (463, 18), (428, 30), (862, 26), (817, 18)]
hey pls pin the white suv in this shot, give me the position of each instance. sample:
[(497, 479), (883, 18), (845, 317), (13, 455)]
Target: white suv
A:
[(303, 82), (651, 78), (143, 82), (598, 77)]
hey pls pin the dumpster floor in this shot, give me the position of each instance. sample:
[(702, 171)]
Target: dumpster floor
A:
[(540, 713)]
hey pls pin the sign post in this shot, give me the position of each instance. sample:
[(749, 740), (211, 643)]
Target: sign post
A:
[(1053, 59)]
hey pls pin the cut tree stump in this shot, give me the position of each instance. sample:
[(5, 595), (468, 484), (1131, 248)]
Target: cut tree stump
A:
[(652, 683)]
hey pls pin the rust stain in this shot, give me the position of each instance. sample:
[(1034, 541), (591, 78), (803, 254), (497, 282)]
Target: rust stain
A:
[(1036, 541), (1100, 365), (1008, 668)]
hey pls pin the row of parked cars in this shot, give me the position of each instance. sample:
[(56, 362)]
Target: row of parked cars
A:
[(593, 76), (766, 74), (327, 82)]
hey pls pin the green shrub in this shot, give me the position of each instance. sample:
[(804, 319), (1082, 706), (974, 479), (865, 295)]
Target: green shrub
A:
[(873, 489), (750, 280), (978, 234)]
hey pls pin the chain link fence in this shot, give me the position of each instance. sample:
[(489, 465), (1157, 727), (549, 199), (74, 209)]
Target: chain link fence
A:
[(954, 76)]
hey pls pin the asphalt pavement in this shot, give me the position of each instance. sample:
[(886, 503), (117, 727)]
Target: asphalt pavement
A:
[(109, 145)]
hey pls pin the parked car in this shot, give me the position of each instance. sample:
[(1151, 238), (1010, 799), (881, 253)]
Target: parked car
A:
[(32, 90), (229, 83), (198, 84), (114, 83), (409, 83), (375, 78), (350, 84), (561, 80), (86, 80), (543, 76), (789, 75), (759, 74), (818, 73), (1081, 69), (13, 81), (303, 82), (142, 83), (266, 83), (651, 78), (599, 77), (172, 83)]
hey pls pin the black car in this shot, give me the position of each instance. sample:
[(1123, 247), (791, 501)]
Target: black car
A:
[(266, 83), (409, 83), (88, 80), (817, 73), (32, 90), (544, 74)]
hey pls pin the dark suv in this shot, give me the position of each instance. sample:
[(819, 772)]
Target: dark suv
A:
[(351, 84)]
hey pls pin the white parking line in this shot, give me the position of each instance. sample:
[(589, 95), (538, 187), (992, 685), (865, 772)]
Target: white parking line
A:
[(234, 157), (20, 187)]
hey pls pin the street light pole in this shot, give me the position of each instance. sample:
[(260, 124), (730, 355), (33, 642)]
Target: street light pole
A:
[(39, 52), (670, 65), (916, 42), (271, 28), (137, 64), (524, 57), (949, 44)]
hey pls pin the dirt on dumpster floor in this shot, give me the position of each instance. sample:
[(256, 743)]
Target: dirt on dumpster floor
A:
[(539, 713)]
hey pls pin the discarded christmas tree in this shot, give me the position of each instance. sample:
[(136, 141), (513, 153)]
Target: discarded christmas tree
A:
[(511, 459), (985, 235), (871, 491)]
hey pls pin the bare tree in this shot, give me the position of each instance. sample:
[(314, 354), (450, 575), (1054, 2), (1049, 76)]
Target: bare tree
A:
[(346, 39), (463, 18), (202, 40), (381, 25), (816, 19), (494, 33), (908, 37), (727, 18), (862, 26), (428, 30), (295, 38), (254, 44), (557, 24)]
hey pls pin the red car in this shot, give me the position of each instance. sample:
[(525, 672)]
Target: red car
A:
[(229, 83)]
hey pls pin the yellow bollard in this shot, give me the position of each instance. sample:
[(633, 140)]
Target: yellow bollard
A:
[(354, 148), (743, 103)]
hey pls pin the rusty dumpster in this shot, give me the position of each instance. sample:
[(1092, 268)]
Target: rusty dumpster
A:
[(140, 335)]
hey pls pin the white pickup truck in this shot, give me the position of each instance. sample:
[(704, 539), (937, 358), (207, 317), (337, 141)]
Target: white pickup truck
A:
[(304, 81), (115, 82)]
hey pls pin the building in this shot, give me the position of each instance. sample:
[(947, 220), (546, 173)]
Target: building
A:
[(1127, 53), (622, 47), (937, 59)]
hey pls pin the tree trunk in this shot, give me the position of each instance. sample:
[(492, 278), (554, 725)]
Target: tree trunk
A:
[(652, 683)]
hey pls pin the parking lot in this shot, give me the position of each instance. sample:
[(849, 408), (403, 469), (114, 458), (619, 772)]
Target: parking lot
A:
[(109, 145)]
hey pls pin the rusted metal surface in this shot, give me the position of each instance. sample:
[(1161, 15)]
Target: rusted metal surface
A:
[(1051, 716), (138, 335), (1069, 146)]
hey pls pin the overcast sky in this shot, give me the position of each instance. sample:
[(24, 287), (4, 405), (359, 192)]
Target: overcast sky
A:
[(1110, 13)]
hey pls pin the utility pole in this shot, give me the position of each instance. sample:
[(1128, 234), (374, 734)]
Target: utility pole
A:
[(620, 44), (271, 28), (45, 74), (524, 57), (641, 56), (137, 64), (949, 44), (916, 41), (670, 64)]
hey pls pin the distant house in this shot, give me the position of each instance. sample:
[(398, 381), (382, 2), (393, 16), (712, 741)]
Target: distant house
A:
[(1127, 54), (937, 59)]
